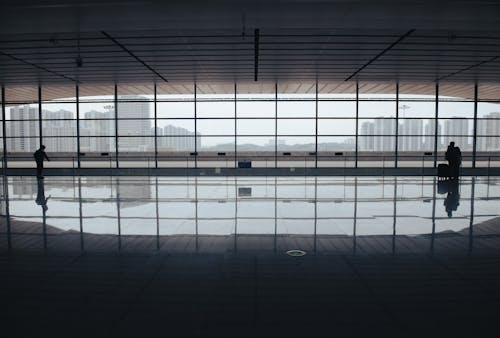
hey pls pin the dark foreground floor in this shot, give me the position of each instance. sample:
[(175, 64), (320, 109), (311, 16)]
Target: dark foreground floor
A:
[(249, 295)]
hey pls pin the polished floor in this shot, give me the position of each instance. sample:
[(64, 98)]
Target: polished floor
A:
[(323, 214), (207, 257)]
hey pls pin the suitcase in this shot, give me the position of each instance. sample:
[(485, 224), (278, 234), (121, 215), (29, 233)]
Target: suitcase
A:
[(244, 164), (443, 171)]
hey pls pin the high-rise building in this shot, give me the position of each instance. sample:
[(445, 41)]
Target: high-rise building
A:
[(453, 131), (178, 138), (413, 142), (366, 137), (490, 128), (377, 135), (23, 129), (134, 124), (97, 131), (429, 132), (59, 130)]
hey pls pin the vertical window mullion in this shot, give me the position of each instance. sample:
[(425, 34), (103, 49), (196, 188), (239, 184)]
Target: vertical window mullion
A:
[(40, 135), (5, 182), (397, 127), (116, 126), (357, 127), (4, 133), (316, 131), (77, 92), (156, 126), (474, 139), (195, 129), (436, 116), (276, 125), (235, 126)]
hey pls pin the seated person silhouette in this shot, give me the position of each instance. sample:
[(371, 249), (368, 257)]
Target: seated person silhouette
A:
[(452, 200)]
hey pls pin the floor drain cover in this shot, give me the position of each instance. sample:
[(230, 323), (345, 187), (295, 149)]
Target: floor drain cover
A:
[(296, 253)]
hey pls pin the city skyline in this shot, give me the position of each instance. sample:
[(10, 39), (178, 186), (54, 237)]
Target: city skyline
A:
[(136, 131)]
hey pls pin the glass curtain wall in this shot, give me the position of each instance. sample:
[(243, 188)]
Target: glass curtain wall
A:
[(176, 141), (416, 128), (97, 127), (456, 121), (377, 125), (337, 126), (271, 125), (488, 126), (22, 124), (135, 112), (59, 126), (256, 124)]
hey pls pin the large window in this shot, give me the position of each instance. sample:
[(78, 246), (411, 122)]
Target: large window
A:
[(272, 125), (97, 127), (488, 126), (22, 123)]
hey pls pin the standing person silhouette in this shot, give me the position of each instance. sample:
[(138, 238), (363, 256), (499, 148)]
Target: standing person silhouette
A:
[(39, 156), (454, 157)]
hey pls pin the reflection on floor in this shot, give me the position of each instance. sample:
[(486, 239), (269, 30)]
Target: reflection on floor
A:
[(214, 214), (206, 257)]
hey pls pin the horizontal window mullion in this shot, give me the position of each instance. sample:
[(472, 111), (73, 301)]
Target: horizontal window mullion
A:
[(45, 120), (48, 103), (84, 119), (31, 120)]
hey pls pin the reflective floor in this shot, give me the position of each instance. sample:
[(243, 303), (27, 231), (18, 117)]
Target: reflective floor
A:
[(207, 257), (313, 213)]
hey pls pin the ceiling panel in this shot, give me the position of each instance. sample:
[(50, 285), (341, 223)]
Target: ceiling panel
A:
[(297, 41)]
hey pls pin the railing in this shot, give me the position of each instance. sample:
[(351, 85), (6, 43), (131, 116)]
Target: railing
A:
[(260, 160)]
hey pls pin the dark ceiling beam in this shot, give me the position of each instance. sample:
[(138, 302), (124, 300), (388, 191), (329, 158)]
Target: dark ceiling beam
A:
[(401, 38), (467, 68), (37, 66), (256, 54), (134, 56)]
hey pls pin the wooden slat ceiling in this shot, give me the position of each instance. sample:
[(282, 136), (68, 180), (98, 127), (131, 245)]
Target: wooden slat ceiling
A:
[(216, 44), (27, 94)]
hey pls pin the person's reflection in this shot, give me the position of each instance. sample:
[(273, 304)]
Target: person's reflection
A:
[(452, 200), (40, 196)]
